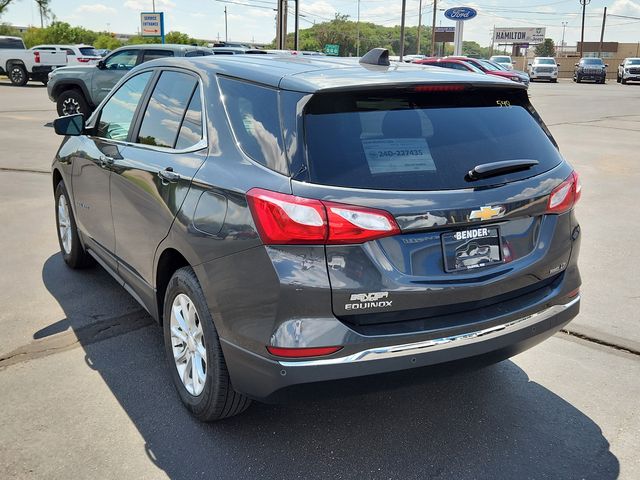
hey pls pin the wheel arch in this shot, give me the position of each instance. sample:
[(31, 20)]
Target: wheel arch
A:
[(169, 261), (56, 177), (59, 88), (11, 62)]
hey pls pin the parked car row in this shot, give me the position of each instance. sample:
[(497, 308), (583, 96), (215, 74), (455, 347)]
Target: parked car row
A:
[(22, 65), (477, 65)]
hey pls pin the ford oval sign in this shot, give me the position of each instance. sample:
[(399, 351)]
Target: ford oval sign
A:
[(460, 13)]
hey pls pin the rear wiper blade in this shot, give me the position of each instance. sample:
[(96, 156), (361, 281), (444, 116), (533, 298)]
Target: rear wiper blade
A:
[(487, 170)]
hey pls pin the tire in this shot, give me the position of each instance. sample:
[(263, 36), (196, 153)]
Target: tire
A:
[(623, 81), (618, 78), (73, 252), (18, 75), (45, 81), (71, 102), (554, 80), (206, 390), (578, 79)]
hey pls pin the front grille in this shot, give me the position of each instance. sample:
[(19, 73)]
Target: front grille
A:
[(635, 71), (592, 71), (544, 69)]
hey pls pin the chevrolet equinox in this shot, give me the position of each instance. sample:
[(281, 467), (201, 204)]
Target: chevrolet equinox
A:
[(295, 220)]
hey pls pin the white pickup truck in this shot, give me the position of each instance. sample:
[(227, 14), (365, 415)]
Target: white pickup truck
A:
[(22, 65)]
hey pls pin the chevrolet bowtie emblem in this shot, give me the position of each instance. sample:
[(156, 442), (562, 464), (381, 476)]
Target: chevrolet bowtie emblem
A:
[(487, 213)]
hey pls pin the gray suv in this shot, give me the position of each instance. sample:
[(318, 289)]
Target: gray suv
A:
[(291, 221), (80, 88)]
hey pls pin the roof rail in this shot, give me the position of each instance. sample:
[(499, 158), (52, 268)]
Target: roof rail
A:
[(376, 56)]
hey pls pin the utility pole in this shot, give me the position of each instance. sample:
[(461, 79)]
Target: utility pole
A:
[(358, 32), (154, 6), (433, 28), (584, 4), (404, 8), (419, 27), (493, 40), (226, 31), (296, 35), (604, 20), (564, 27)]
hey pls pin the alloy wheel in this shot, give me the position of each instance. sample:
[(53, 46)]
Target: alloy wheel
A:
[(17, 75), (64, 224), (187, 344), (70, 106)]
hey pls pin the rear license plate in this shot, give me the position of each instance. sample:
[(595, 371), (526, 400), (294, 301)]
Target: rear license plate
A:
[(471, 248)]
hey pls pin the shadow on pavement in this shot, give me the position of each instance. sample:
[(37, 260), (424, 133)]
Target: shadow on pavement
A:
[(31, 84), (485, 423)]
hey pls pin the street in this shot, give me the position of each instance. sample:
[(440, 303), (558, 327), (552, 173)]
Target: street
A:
[(85, 391)]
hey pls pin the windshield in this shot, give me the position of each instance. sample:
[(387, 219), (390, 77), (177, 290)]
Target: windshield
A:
[(545, 61), (89, 52), (421, 140), (488, 65), (501, 59), (591, 61), (633, 61)]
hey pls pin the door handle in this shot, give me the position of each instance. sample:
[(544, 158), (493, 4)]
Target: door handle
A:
[(106, 162), (168, 175)]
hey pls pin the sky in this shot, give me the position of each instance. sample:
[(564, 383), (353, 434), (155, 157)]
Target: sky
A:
[(254, 20)]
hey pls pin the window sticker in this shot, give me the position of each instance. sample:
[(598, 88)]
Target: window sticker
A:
[(398, 155)]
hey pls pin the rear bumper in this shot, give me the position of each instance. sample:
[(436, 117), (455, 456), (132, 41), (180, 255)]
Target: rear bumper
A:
[(44, 69), (269, 379)]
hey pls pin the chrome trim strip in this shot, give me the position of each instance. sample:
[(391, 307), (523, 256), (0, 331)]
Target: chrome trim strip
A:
[(435, 344)]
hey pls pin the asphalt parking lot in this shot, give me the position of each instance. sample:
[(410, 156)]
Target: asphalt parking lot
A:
[(85, 392)]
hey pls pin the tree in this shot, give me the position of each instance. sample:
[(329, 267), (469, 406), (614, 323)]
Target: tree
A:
[(4, 4), (45, 11), (107, 41), (546, 48)]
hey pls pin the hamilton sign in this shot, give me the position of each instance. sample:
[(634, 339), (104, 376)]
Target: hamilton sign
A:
[(519, 35)]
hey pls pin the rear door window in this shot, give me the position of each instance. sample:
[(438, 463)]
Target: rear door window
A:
[(422, 141), (166, 109)]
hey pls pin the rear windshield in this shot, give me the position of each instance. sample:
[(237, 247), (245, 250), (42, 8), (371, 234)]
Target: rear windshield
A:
[(11, 43), (89, 52), (501, 59), (422, 141)]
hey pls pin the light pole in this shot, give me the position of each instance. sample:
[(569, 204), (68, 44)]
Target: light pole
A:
[(564, 27), (584, 4), (419, 27), (404, 9), (433, 29), (358, 32)]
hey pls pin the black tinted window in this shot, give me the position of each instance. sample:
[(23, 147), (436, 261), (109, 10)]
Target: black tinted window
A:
[(11, 43), (191, 129), (117, 114), (89, 51), (153, 54), (166, 108), (253, 113), (421, 141)]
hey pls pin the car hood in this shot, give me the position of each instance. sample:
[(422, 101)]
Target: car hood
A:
[(75, 69)]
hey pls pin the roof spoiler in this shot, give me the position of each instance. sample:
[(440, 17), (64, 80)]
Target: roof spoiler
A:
[(376, 56)]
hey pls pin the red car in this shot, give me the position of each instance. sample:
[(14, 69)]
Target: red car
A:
[(489, 68), (453, 63)]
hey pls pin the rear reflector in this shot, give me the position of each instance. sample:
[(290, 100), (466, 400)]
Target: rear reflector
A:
[(565, 195), (302, 352), (283, 219)]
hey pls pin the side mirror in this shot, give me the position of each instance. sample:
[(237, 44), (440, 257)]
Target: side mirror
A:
[(72, 125), (558, 65), (577, 64), (622, 64), (101, 65), (606, 65), (530, 64)]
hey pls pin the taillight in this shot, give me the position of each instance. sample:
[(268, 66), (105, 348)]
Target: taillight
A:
[(36, 56), (302, 352), (84, 60), (283, 219), (565, 195)]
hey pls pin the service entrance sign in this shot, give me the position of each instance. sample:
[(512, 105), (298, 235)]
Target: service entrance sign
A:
[(152, 24)]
